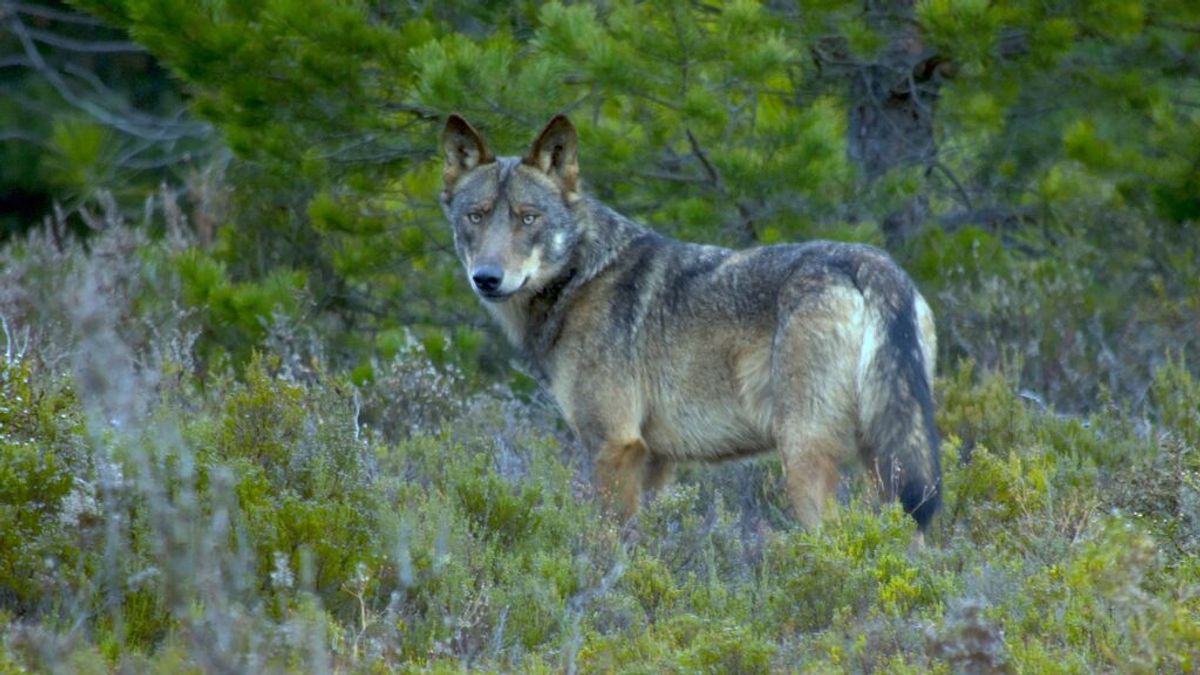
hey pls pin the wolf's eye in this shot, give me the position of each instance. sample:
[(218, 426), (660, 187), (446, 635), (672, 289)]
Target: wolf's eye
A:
[(475, 217), (528, 218)]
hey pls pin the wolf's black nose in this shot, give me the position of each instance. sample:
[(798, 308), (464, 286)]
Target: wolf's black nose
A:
[(487, 278)]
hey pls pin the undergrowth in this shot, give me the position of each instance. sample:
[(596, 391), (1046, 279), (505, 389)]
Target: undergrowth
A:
[(160, 515)]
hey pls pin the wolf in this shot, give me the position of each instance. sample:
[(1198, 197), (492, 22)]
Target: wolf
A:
[(659, 351)]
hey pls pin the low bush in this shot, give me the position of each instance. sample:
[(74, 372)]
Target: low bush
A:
[(159, 514)]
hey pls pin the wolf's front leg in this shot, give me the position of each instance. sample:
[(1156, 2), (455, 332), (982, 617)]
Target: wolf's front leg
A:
[(621, 469)]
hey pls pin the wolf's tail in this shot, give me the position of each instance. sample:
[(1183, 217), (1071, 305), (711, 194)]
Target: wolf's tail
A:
[(900, 438)]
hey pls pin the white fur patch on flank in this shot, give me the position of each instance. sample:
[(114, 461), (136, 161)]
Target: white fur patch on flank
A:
[(866, 354), (926, 335), (752, 368)]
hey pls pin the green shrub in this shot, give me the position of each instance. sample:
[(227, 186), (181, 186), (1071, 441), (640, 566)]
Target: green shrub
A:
[(35, 545), (726, 648), (40, 466), (858, 560)]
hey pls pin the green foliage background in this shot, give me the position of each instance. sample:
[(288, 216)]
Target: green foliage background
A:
[(251, 418), (1066, 140)]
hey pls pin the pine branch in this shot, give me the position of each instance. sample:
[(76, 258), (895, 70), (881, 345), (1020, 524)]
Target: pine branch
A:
[(158, 130), (85, 46), (54, 14)]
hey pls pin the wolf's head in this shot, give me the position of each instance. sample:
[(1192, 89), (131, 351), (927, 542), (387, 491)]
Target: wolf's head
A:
[(514, 218)]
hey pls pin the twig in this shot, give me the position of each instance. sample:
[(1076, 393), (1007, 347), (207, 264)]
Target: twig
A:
[(962, 192), (985, 216), (159, 131), (357, 413), (103, 90), (1168, 25), (85, 46), (579, 602), (713, 176), (8, 343), (24, 136), (55, 15), (672, 177), (13, 351)]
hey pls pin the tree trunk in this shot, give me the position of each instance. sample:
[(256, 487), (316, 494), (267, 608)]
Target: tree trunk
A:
[(892, 104)]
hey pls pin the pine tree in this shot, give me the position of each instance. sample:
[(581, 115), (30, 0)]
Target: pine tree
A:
[(938, 127)]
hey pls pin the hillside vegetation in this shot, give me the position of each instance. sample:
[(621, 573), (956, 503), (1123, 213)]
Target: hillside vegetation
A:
[(282, 517)]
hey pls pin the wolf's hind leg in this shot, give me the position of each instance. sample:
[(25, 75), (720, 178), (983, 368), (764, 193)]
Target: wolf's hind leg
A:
[(659, 472), (621, 469), (811, 468), (814, 382)]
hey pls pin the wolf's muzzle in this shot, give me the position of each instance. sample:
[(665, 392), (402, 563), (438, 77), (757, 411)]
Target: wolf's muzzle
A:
[(487, 278)]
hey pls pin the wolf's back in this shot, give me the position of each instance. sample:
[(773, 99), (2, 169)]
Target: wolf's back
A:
[(900, 437)]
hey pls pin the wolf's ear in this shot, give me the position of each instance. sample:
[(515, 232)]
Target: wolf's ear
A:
[(463, 149), (556, 153)]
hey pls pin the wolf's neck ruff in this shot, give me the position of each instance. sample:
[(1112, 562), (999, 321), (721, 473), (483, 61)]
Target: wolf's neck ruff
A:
[(544, 316), (605, 234)]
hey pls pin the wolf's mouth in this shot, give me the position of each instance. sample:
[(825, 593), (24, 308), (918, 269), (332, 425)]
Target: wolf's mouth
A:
[(501, 296)]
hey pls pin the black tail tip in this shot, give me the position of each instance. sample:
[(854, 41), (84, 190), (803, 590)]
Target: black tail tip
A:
[(922, 502)]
